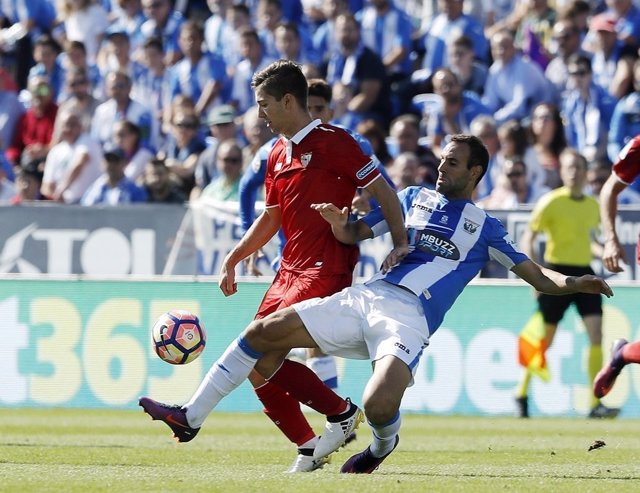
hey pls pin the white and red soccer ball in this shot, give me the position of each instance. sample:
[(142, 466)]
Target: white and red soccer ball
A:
[(178, 337)]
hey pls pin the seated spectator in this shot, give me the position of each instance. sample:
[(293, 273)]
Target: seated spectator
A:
[(486, 129), (471, 73), (404, 136), (613, 59), (514, 144), (597, 173), (405, 171), (113, 187), (130, 17), (85, 21), (626, 16), (548, 139), (566, 37), (324, 39), (158, 184), (28, 183), (625, 121), (365, 72), (200, 75), (586, 110), (120, 106), (115, 54), (342, 115), (73, 57), (163, 22), (255, 132), (79, 98), (11, 109), (375, 134), (222, 126), (238, 19), (229, 163), (126, 136), (34, 132), (289, 47), (73, 164), (457, 111), (512, 188), (515, 84), (182, 148), (45, 54)]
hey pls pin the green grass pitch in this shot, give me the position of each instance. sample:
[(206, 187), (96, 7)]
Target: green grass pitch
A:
[(124, 451)]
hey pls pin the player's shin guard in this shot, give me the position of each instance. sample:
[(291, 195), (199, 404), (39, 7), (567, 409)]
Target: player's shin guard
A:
[(304, 385), (384, 436), (325, 368), (285, 412), (224, 376)]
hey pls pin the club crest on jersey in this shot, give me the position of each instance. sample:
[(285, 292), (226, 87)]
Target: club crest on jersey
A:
[(444, 219), (305, 159), (431, 242), (470, 227), (365, 170)]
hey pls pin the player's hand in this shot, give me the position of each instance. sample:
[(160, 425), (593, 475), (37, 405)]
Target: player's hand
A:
[(612, 255), (330, 213), (593, 284), (251, 263), (227, 283), (395, 257)]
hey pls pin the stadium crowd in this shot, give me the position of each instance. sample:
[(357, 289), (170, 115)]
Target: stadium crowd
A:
[(122, 101)]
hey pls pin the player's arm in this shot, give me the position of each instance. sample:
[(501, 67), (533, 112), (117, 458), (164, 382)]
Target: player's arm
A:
[(346, 232), (613, 252), (260, 232), (551, 282), (392, 211)]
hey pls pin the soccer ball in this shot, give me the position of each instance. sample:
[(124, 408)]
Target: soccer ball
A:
[(178, 337)]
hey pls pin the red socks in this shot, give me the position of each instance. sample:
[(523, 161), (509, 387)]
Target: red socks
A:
[(285, 412), (304, 385)]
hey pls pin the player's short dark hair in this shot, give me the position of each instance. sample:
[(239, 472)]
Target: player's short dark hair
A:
[(478, 153), (321, 89), (280, 78)]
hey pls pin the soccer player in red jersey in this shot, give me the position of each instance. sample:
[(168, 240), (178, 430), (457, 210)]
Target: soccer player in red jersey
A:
[(624, 171), (311, 163)]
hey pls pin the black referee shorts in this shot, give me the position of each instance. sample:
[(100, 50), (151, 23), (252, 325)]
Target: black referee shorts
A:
[(553, 307)]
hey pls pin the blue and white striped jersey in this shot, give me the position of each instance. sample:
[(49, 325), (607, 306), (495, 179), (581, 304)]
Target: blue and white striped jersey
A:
[(449, 242)]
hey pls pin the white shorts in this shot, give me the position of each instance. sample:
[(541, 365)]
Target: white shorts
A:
[(368, 322)]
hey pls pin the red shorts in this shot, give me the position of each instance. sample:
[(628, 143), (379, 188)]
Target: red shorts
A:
[(289, 287)]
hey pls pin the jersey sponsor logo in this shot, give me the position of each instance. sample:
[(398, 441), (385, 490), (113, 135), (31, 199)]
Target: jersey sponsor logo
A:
[(366, 170), (402, 347), (470, 227), (431, 242), (305, 159), (422, 207)]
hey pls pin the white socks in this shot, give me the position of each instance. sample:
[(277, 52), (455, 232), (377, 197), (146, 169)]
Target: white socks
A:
[(224, 376), (325, 368), (384, 436)]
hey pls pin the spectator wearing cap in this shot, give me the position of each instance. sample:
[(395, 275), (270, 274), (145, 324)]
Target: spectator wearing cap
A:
[(163, 22), (120, 106), (625, 121), (113, 187), (587, 110), (200, 75), (222, 126), (72, 164), (45, 54), (612, 60), (33, 134), (28, 182), (627, 18), (85, 21)]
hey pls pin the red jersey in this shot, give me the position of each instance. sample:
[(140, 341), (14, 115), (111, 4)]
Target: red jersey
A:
[(321, 163), (627, 168)]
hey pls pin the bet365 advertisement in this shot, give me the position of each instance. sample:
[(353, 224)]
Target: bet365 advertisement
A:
[(83, 343)]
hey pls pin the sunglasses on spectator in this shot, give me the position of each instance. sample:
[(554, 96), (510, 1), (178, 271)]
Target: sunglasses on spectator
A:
[(186, 125), (79, 82), (515, 174), (578, 73), (232, 160)]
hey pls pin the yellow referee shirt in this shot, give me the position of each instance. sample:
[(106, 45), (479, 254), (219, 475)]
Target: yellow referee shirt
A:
[(568, 224)]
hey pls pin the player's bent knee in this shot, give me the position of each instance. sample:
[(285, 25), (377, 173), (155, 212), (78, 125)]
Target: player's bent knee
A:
[(380, 409)]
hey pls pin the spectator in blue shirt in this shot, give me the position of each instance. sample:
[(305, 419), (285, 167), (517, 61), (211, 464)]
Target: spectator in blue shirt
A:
[(587, 110), (45, 53), (163, 22), (113, 187), (625, 121)]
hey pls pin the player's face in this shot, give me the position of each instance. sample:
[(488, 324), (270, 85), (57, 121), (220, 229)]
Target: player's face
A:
[(319, 108), (271, 111), (454, 177)]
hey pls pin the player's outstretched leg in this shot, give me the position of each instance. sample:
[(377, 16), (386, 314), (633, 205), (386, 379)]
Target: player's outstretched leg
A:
[(606, 378), (365, 462), (337, 429), (174, 416)]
